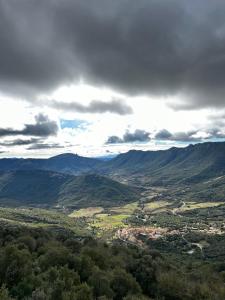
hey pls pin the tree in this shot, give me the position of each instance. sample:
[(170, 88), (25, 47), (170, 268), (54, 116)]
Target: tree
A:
[(39, 294), (86, 267), (29, 242), (123, 284), (55, 255), (84, 292), (144, 271), (4, 293), (101, 284)]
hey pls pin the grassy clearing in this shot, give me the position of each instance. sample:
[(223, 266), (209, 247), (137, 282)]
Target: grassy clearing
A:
[(35, 217), (196, 205), (86, 212), (157, 205), (126, 209), (107, 221), (115, 218)]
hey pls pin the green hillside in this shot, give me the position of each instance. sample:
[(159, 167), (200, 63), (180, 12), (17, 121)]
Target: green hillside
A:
[(191, 164), (95, 190), (44, 188)]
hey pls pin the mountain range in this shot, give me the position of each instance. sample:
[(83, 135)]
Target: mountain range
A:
[(191, 164), (75, 181), (64, 163)]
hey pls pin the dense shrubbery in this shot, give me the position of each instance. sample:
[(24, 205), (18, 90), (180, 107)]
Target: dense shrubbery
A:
[(39, 265)]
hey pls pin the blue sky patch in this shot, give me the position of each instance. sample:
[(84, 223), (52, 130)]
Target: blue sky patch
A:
[(73, 123)]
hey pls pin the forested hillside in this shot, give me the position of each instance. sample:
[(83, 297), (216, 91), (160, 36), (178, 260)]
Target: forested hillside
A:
[(47, 189), (41, 265), (191, 164)]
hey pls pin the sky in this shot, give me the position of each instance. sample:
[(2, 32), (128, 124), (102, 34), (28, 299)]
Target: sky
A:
[(101, 77)]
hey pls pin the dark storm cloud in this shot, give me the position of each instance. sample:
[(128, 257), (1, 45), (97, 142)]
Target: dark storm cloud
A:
[(42, 128), (146, 46), (95, 106), (138, 136)]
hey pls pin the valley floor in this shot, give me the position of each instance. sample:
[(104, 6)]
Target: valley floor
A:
[(157, 221), (172, 226)]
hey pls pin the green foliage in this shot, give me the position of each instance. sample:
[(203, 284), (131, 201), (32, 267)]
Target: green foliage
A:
[(84, 292), (123, 284), (144, 271), (100, 281), (4, 293), (36, 264)]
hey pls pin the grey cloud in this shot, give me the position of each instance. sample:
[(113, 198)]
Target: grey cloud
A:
[(114, 140), (217, 133), (137, 136), (140, 136), (41, 146), (164, 134), (183, 105), (217, 120), (42, 128), (186, 136), (96, 106), (146, 46), (18, 142), (33, 143), (190, 136)]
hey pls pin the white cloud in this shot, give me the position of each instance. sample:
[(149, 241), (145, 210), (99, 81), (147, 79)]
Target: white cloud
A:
[(149, 114)]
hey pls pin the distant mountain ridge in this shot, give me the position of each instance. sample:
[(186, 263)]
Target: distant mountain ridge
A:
[(191, 164), (65, 163)]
